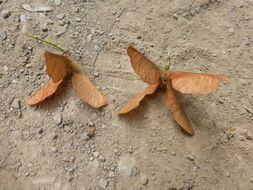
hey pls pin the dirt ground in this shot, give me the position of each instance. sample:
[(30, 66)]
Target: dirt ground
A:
[(46, 147)]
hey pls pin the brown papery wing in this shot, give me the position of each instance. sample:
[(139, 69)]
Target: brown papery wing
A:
[(147, 70), (135, 102), (47, 90), (56, 65), (177, 110), (195, 83), (87, 92)]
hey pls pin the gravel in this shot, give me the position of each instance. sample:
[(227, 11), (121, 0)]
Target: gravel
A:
[(144, 180), (15, 104), (3, 35), (28, 8), (103, 183), (78, 19), (54, 149), (6, 13), (57, 118), (190, 182), (57, 2), (60, 16), (62, 30), (95, 163), (127, 166), (89, 38), (190, 157), (96, 154)]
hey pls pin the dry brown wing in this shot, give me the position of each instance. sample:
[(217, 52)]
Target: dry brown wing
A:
[(56, 65), (147, 70), (135, 102), (47, 90), (177, 110), (87, 92), (195, 83)]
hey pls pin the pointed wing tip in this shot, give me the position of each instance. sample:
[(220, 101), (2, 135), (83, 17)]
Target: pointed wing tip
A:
[(102, 105), (46, 53), (130, 49), (120, 112), (226, 78), (31, 102), (190, 132)]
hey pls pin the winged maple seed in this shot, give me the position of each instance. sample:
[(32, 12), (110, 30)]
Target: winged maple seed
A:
[(184, 82), (58, 67)]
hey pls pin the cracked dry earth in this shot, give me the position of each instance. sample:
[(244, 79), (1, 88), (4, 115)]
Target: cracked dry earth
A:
[(46, 147)]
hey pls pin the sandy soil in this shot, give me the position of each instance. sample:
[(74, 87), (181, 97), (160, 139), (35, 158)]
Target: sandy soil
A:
[(145, 149)]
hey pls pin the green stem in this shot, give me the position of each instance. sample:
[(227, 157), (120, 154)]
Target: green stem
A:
[(48, 42)]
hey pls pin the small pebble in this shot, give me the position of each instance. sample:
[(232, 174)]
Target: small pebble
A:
[(44, 28), (144, 180), (15, 104), (101, 158), (96, 74), (60, 16), (192, 12), (92, 31), (57, 2), (127, 166), (58, 185), (173, 153), (191, 182), (190, 157), (175, 16), (96, 154), (95, 163), (27, 174), (241, 138), (251, 180), (6, 13), (103, 183), (62, 30), (57, 118), (86, 137), (100, 32), (89, 38), (186, 14), (77, 19), (76, 9), (119, 66), (3, 35), (54, 149), (111, 174), (24, 18), (96, 48), (28, 8), (71, 170), (5, 68)]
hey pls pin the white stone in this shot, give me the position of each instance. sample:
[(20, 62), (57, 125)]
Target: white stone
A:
[(127, 166), (103, 183), (57, 118)]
